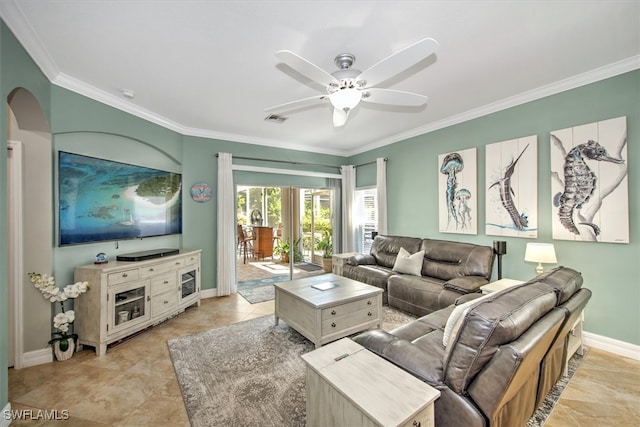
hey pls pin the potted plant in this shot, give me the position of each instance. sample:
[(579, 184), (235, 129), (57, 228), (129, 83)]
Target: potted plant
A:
[(325, 245), (282, 249), (63, 342)]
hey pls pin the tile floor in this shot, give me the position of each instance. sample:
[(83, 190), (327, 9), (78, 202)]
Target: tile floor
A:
[(134, 383)]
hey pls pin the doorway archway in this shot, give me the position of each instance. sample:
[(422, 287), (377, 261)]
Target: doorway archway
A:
[(29, 226)]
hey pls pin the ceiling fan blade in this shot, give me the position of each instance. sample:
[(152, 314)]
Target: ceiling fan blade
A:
[(398, 62), (340, 117), (305, 67), (305, 102), (394, 97)]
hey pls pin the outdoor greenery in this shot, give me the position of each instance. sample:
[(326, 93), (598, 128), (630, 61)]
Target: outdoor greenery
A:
[(321, 239)]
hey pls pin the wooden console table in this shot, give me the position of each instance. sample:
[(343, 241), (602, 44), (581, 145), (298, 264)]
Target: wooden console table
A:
[(263, 246), (347, 385)]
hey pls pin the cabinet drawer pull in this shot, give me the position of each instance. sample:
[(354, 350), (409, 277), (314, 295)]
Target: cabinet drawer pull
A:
[(125, 275), (333, 312), (166, 282), (166, 302), (177, 262), (333, 325), (148, 298), (369, 314), (151, 269), (369, 302), (416, 424)]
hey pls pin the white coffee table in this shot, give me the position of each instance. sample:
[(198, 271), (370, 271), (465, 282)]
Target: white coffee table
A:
[(347, 307)]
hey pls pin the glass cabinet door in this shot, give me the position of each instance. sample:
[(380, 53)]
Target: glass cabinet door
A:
[(128, 305), (189, 285)]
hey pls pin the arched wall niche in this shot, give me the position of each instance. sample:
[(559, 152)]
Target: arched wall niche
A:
[(29, 126)]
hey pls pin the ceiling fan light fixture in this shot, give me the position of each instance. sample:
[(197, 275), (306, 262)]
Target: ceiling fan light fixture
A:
[(345, 98)]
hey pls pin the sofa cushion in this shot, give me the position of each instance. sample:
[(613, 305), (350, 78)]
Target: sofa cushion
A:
[(565, 281), (455, 318), (497, 320), (414, 294), (465, 284), (408, 263), (445, 260), (385, 248)]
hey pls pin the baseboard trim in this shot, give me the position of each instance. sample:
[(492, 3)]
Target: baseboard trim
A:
[(4, 422), (37, 357), (611, 345), (209, 293)]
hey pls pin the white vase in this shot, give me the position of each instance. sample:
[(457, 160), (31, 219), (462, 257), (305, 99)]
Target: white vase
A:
[(64, 355)]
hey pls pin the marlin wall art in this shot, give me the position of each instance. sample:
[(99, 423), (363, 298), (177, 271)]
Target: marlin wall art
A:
[(589, 183), (512, 189)]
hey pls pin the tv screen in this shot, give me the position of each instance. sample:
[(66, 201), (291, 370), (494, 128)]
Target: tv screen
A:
[(101, 200)]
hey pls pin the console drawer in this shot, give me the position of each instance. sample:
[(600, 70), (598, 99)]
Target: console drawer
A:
[(152, 270), (163, 283), (163, 303), (123, 277)]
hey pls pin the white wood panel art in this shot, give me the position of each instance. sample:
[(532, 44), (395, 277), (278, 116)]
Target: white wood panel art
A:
[(589, 183), (512, 188), (458, 192)]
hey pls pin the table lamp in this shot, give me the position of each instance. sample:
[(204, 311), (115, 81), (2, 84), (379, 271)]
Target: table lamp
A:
[(542, 253), (499, 248)]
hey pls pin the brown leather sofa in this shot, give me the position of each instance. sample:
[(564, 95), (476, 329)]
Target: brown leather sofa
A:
[(505, 352), (449, 270)]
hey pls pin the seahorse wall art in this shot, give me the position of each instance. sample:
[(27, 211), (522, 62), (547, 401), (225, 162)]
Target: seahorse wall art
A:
[(512, 188), (589, 183), (457, 181)]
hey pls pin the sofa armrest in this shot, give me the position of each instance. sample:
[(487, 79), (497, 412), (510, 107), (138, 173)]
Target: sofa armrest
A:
[(466, 284), (408, 356), (361, 259), (467, 297)]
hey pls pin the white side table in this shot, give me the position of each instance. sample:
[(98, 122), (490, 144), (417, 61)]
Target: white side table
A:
[(499, 285), (338, 261), (347, 385)]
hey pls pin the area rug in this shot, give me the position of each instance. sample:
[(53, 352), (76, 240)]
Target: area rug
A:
[(251, 373), (260, 290), (247, 373), (305, 266)]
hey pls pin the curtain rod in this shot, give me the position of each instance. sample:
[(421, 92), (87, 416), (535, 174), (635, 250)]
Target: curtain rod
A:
[(299, 163), (291, 162), (370, 163)]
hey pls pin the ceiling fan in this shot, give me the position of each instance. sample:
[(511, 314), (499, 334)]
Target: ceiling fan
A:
[(347, 86)]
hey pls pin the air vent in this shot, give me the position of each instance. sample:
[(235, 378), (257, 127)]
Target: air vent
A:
[(275, 118)]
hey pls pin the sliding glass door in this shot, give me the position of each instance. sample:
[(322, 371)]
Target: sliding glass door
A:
[(283, 232)]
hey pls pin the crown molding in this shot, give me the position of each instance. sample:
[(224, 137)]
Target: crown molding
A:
[(13, 17), (607, 71)]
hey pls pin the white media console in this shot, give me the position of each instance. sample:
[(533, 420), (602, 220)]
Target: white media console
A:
[(128, 296)]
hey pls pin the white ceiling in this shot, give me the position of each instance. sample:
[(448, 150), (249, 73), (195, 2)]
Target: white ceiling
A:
[(208, 68)]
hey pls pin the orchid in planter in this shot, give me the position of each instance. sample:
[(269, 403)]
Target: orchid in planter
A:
[(61, 321)]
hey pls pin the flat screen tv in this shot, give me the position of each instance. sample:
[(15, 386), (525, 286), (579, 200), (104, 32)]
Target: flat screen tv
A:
[(102, 200)]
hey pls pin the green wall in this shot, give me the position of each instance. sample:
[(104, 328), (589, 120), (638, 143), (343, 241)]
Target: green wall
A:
[(16, 70), (611, 271)]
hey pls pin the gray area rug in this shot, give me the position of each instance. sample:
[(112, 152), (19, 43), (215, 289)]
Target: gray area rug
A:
[(251, 373), (260, 290)]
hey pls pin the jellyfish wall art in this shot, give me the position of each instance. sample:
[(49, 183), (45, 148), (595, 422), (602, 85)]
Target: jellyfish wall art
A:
[(512, 188), (589, 183), (458, 195)]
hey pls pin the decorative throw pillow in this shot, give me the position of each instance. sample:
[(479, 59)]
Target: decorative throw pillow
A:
[(407, 263), (455, 319)]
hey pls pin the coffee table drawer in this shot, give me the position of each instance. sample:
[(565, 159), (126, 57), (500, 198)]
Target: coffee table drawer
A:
[(349, 320), (350, 307)]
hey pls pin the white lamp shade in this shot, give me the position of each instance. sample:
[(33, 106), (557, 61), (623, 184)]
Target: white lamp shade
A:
[(544, 253)]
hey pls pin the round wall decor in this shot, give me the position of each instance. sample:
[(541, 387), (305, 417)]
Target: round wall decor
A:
[(201, 192)]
